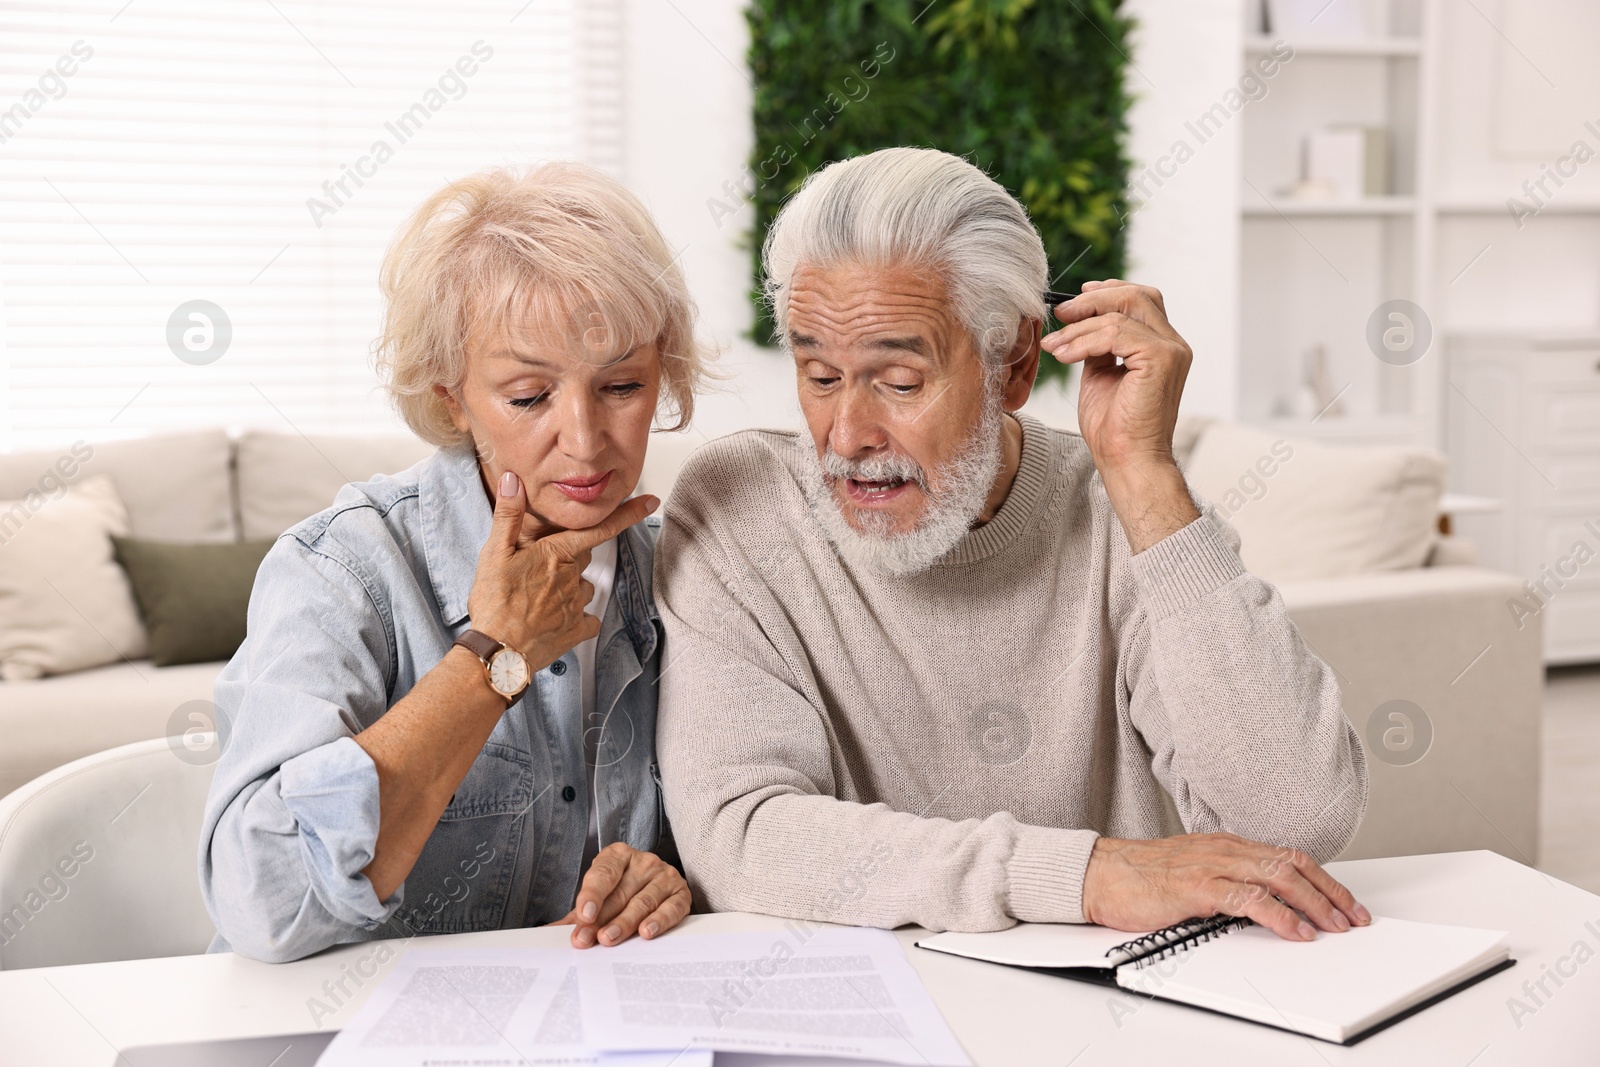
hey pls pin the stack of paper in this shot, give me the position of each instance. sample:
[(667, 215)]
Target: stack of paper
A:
[(664, 1003)]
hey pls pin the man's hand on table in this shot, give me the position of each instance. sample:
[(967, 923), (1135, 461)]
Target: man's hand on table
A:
[(626, 891), (1146, 885), (1127, 412)]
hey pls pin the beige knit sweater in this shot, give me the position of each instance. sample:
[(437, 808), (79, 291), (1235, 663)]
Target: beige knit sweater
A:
[(943, 748)]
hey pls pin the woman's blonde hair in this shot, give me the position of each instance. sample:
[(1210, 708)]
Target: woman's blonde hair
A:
[(561, 242)]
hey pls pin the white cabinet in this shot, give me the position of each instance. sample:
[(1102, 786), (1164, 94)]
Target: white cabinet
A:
[(1523, 424)]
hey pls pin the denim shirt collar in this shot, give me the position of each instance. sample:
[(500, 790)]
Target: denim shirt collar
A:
[(633, 592), (456, 520)]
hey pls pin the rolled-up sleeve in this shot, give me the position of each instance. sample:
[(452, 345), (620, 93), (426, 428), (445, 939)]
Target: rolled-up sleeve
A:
[(292, 816)]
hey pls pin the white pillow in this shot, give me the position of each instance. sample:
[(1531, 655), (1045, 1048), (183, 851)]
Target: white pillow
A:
[(1310, 510), (65, 602)]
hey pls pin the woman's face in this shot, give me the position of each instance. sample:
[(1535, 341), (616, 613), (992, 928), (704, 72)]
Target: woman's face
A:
[(573, 423)]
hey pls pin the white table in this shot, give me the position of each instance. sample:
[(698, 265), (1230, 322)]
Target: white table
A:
[(1006, 1018)]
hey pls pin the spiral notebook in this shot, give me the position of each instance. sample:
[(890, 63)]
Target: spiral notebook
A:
[(1339, 988)]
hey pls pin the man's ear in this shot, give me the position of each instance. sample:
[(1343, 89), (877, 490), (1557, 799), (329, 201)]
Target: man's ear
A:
[(1022, 365)]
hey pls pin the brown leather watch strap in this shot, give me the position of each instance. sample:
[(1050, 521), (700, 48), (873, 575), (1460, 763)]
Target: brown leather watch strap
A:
[(479, 644)]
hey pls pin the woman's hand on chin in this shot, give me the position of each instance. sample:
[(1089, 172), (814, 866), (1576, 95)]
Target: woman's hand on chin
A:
[(529, 591), (626, 892)]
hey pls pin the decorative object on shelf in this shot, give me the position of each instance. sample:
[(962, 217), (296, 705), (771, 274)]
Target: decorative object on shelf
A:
[(1311, 190), (1321, 380), (1341, 19), (1315, 396), (1352, 161)]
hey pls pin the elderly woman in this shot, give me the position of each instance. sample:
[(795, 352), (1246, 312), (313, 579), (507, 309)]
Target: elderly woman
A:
[(443, 718)]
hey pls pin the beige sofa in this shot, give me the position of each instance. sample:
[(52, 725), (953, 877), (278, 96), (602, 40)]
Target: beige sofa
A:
[(202, 486), (1437, 637), (1445, 690)]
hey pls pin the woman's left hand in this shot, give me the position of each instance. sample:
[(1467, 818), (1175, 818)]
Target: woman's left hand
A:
[(627, 891)]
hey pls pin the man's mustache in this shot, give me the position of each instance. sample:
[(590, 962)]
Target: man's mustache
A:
[(889, 467)]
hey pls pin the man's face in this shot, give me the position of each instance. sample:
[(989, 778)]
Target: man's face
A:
[(886, 374)]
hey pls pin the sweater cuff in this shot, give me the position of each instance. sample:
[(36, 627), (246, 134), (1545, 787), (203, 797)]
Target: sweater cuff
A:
[(1045, 874), (1185, 567)]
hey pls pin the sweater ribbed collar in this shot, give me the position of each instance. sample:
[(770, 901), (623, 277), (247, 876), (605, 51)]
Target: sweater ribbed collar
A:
[(1028, 495)]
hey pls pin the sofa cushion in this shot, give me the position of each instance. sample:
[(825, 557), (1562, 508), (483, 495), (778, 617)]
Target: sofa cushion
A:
[(664, 457), (284, 478), (1309, 510), (1186, 434), (176, 487), (52, 721), (193, 598), (64, 603)]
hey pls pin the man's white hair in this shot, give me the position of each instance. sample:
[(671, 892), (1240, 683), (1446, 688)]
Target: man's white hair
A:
[(923, 208)]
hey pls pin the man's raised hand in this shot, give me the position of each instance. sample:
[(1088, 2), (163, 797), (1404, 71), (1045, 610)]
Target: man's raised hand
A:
[(1127, 412)]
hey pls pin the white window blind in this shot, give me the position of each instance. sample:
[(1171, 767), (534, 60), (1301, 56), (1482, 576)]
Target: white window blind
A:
[(257, 155)]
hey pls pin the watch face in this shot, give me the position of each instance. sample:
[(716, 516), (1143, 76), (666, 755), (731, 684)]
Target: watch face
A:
[(508, 672)]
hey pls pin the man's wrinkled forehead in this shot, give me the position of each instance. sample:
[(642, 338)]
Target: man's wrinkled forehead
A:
[(894, 310)]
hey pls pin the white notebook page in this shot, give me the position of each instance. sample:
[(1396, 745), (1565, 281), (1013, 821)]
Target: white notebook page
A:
[(1034, 945), (1333, 987)]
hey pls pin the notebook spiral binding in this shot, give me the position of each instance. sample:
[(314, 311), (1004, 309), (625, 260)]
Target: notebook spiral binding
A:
[(1143, 951)]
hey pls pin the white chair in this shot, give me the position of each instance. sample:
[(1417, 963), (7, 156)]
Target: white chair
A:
[(98, 857)]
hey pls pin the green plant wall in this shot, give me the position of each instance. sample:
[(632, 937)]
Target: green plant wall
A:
[(1029, 90)]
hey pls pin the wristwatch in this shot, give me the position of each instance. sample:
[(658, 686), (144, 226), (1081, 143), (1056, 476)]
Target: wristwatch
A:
[(505, 666)]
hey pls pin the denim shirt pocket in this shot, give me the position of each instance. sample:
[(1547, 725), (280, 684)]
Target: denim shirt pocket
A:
[(462, 879)]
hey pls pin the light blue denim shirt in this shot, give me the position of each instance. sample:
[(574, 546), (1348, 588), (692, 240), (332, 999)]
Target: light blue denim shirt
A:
[(350, 608)]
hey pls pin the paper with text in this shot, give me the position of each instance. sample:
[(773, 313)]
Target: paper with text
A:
[(796, 990), (481, 1008)]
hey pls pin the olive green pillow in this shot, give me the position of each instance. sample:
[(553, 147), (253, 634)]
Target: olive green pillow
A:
[(193, 597)]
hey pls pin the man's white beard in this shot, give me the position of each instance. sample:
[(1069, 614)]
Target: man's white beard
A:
[(964, 486)]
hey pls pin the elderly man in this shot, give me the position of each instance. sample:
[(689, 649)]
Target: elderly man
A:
[(934, 662)]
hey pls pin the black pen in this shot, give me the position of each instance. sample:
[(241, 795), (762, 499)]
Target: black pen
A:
[(1053, 300)]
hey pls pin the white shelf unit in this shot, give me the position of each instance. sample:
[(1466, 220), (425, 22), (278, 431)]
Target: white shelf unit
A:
[(1491, 225), (1372, 429), (1498, 207), (1370, 205), (1312, 272), (1260, 44)]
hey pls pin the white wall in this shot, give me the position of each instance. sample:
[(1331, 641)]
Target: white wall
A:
[(689, 132), (1504, 126), (1184, 240)]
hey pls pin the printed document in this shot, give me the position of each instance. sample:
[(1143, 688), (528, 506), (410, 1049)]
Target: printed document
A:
[(797, 990), (481, 1008)]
